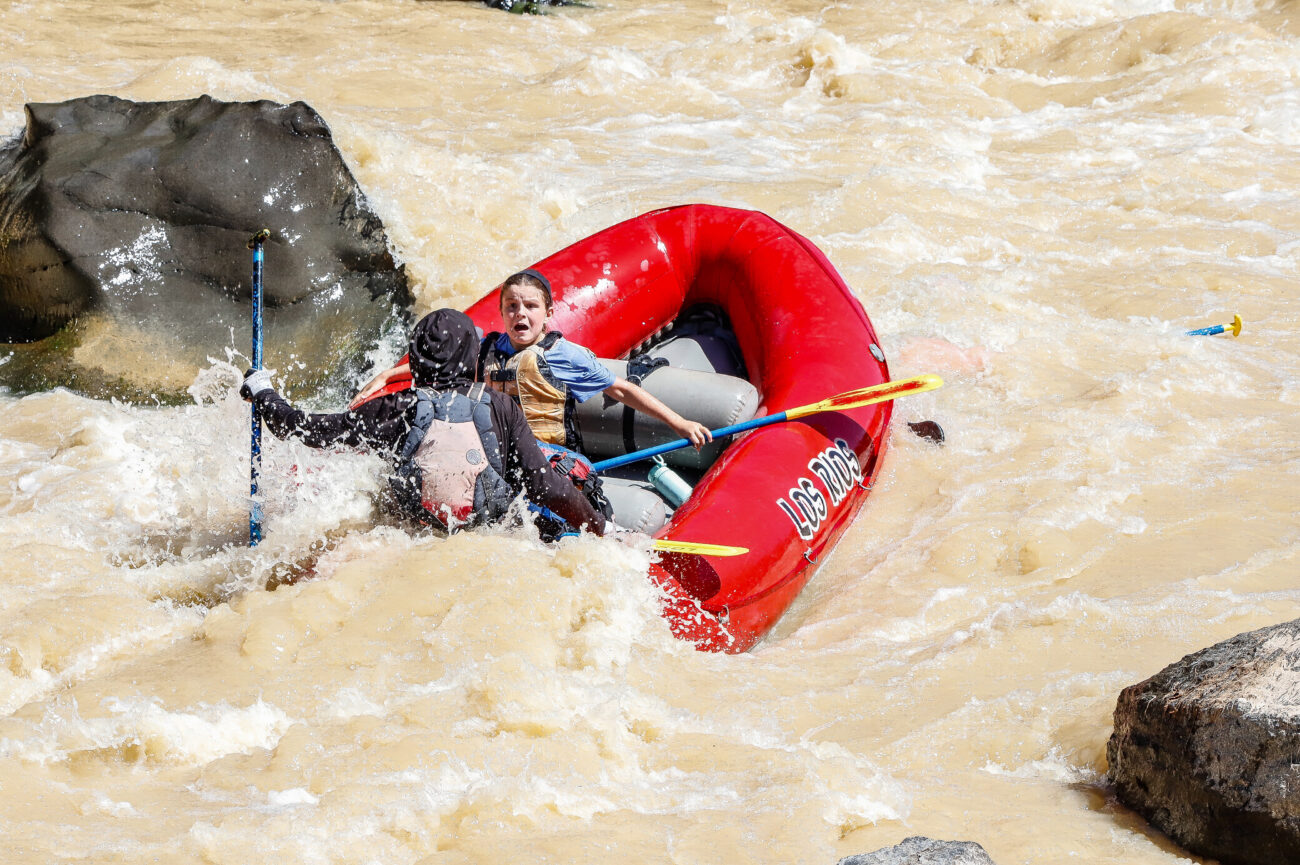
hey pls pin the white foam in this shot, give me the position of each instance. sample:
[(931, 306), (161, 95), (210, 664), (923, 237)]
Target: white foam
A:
[(196, 737), (105, 805), (293, 798), (136, 268), (1054, 768)]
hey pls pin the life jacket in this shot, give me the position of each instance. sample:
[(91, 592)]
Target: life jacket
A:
[(548, 405), (449, 470)]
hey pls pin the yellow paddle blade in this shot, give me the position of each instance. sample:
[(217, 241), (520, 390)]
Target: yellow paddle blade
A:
[(668, 546), (869, 395), (1236, 325)]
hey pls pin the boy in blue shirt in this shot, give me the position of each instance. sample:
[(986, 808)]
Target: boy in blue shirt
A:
[(548, 375)]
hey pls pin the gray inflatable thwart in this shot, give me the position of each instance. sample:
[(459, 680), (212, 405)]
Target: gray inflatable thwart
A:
[(706, 352), (712, 399), (636, 505)]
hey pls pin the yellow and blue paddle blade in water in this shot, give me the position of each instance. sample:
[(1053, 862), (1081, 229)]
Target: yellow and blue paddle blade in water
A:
[(1234, 326), (868, 395), (667, 546), (663, 545)]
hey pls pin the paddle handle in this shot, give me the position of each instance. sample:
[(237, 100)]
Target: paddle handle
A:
[(1214, 330), (255, 447), (678, 444), (865, 396)]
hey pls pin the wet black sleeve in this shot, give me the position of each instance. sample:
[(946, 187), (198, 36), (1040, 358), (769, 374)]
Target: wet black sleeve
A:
[(376, 425), (527, 466)]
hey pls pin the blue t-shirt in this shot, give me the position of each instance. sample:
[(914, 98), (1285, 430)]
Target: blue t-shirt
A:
[(572, 364)]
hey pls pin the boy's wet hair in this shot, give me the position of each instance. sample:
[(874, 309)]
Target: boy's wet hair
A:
[(532, 279)]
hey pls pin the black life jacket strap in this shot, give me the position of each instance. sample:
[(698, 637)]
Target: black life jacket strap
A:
[(639, 368), (488, 345)]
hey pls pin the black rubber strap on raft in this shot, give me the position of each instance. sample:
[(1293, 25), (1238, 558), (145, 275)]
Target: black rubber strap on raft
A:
[(639, 368)]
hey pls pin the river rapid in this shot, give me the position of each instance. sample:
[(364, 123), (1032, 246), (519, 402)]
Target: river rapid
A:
[(1033, 199)]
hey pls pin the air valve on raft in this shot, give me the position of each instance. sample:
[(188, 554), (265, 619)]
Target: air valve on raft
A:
[(669, 484)]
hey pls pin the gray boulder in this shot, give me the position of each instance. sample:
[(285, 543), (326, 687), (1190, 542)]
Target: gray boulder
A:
[(123, 259), (1208, 749), (924, 851)]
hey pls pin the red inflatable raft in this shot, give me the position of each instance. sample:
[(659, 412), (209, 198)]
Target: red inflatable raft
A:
[(788, 491)]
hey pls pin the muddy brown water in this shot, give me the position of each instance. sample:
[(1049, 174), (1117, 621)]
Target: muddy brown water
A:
[(1032, 199)]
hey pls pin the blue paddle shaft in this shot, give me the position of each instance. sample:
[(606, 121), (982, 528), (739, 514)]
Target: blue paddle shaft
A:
[(255, 509), (678, 444), (1209, 331)]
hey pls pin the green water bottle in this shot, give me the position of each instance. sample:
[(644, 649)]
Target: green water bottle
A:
[(669, 484)]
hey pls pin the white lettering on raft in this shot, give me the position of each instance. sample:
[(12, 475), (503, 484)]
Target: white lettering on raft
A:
[(838, 470)]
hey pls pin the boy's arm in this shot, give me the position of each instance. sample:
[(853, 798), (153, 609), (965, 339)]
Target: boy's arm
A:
[(643, 401)]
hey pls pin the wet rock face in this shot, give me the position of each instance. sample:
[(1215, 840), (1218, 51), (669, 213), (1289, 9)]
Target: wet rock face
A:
[(924, 851), (1208, 750), (123, 231)]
